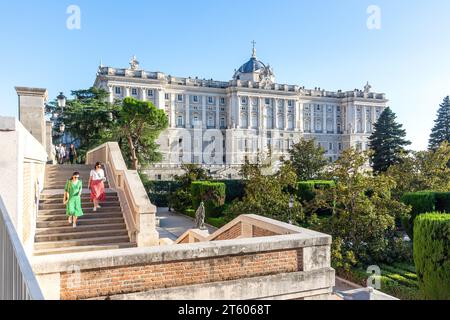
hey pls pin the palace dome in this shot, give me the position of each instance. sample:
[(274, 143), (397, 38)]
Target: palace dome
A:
[(251, 65)]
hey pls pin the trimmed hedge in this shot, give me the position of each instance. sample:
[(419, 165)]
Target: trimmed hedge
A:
[(431, 255), (306, 189), (423, 202), (211, 193), (235, 189)]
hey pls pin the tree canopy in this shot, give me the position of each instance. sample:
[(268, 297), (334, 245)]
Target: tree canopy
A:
[(307, 159), (441, 130)]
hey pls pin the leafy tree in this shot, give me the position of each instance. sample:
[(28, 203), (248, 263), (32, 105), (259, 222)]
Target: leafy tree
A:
[(269, 195), (363, 212), (441, 130), (423, 170), (139, 124), (387, 142), (87, 117), (307, 159)]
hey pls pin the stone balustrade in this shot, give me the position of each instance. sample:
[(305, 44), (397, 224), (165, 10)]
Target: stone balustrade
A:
[(139, 212)]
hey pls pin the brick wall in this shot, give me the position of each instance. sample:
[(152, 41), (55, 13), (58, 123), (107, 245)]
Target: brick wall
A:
[(232, 233), (260, 232), (129, 279)]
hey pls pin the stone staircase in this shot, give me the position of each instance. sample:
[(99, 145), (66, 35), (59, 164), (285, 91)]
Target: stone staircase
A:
[(101, 230)]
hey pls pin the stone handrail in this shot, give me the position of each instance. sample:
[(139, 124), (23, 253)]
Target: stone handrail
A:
[(139, 213)]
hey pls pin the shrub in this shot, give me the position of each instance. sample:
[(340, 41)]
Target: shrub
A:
[(423, 202), (211, 193), (442, 201), (420, 202), (180, 201), (235, 189), (431, 255), (306, 189)]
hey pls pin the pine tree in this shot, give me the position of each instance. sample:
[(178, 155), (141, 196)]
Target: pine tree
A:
[(441, 130), (387, 142)]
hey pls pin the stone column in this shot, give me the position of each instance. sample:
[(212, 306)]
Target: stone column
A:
[(187, 110), (364, 119), (217, 112), (335, 120), (143, 94), (324, 115), (111, 94), (276, 110), (172, 109), (127, 92), (286, 107), (313, 120), (261, 113), (31, 111), (355, 118), (300, 124), (204, 120), (374, 117)]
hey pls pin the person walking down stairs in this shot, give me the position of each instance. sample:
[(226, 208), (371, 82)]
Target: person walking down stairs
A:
[(72, 198), (97, 185)]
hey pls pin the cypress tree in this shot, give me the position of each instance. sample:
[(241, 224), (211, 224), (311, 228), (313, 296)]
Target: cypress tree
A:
[(387, 141), (441, 130)]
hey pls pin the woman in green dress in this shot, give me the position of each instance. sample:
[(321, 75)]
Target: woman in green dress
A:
[(72, 198)]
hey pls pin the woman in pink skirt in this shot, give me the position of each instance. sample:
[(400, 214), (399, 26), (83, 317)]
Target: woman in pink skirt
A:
[(97, 185)]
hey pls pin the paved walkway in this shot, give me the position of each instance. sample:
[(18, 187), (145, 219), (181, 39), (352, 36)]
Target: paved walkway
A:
[(172, 225)]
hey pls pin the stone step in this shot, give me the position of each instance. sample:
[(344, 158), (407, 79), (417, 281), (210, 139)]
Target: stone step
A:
[(108, 246), (115, 204), (108, 193), (83, 199), (67, 228), (63, 217), (62, 184), (79, 235), (81, 242), (81, 222), (87, 209)]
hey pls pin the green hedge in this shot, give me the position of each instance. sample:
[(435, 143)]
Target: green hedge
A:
[(235, 189), (211, 193), (431, 255), (306, 189), (422, 202)]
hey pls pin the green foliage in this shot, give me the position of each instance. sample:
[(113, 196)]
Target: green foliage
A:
[(269, 196), (139, 124), (365, 221), (235, 189), (441, 129), (211, 193), (307, 159), (180, 200), (423, 202), (387, 142), (306, 189), (431, 255), (87, 119), (424, 170)]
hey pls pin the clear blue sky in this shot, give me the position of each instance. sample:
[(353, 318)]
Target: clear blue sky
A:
[(320, 43)]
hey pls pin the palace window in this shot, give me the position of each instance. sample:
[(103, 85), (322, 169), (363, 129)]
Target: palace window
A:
[(180, 98), (222, 123), (167, 96), (244, 100), (195, 99), (291, 123), (118, 90), (210, 122), (222, 100), (290, 103), (210, 100), (267, 101), (150, 93), (340, 146), (134, 92), (180, 121), (330, 146)]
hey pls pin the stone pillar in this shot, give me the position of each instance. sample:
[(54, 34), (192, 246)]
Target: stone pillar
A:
[(160, 99), (324, 115), (286, 107), (276, 111), (217, 112), (111, 94), (300, 112), (187, 111), (172, 107), (204, 121), (49, 142), (355, 118), (374, 117), (261, 113), (335, 120), (143, 94), (364, 119), (313, 120), (127, 92), (31, 111)]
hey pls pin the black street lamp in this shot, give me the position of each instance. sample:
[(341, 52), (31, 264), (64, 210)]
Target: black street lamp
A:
[(61, 100)]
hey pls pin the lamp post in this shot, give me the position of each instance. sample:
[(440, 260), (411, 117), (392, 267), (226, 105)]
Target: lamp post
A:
[(291, 206), (61, 104)]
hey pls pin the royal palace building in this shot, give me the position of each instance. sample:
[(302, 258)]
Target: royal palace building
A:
[(220, 124)]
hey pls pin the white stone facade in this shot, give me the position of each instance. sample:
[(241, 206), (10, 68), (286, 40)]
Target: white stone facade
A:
[(252, 113)]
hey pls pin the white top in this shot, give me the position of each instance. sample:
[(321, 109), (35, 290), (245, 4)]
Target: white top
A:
[(100, 175)]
